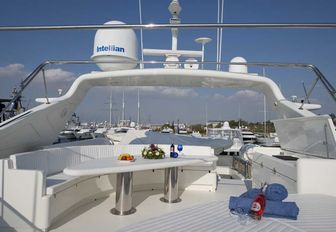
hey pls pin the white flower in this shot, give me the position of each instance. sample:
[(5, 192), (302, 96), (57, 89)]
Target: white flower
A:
[(157, 153)]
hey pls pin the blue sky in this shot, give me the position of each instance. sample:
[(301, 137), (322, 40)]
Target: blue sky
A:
[(21, 52)]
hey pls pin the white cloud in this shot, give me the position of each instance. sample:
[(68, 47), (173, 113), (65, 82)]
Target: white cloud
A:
[(58, 74), (12, 70), (218, 96), (178, 92), (52, 75), (245, 94), (165, 91)]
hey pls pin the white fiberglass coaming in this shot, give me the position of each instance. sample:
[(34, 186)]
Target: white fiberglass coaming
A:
[(42, 124)]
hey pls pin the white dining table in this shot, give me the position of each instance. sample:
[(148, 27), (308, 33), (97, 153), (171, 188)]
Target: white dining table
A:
[(125, 169)]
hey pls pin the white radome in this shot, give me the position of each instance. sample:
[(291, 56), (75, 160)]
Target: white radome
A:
[(115, 45), (235, 68)]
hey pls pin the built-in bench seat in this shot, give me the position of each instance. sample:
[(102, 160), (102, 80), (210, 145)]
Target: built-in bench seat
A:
[(60, 182), (53, 161), (56, 193)]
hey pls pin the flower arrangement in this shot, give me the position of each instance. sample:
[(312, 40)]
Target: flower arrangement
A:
[(153, 152)]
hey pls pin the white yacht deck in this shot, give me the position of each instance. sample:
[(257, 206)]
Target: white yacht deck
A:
[(97, 217), (198, 211)]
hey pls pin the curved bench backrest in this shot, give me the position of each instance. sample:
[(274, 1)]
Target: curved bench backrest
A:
[(54, 160), (50, 161)]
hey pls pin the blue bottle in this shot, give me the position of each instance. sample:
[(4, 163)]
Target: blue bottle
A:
[(172, 151), (175, 154)]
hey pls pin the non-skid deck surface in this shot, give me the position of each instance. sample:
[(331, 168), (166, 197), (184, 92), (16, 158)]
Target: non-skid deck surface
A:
[(212, 216), (198, 211), (317, 213)]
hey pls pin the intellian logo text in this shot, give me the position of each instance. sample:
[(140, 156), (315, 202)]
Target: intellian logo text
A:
[(110, 48)]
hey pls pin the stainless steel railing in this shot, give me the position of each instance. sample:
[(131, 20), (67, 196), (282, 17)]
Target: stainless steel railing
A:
[(179, 26), (319, 76), (23, 86)]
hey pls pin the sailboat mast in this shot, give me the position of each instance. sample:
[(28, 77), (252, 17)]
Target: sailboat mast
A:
[(239, 115), (206, 114), (123, 106), (111, 107), (138, 118)]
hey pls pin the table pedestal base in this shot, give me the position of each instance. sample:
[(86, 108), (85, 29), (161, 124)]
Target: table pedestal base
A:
[(167, 201), (117, 212), (123, 203), (170, 188)]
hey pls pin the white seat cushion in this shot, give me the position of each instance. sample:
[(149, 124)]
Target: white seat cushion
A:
[(59, 182)]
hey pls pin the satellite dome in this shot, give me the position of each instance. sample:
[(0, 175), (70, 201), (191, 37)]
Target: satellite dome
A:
[(190, 64), (237, 68), (226, 125), (115, 45)]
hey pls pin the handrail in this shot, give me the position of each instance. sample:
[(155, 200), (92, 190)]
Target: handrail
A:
[(324, 81), (319, 76), (317, 72), (180, 26), (23, 85)]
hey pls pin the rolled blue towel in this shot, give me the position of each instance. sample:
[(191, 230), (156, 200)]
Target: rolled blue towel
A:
[(240, 204), (276, 192), (276, 209), (252, 193), (281, 209)]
